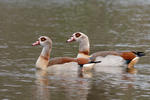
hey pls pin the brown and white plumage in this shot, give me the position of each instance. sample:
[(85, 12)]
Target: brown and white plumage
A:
[(108, 58), (44, 60)]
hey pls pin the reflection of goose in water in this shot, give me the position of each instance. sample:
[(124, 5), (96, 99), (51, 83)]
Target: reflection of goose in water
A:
[(42, 90), (114, 69), (56, 86), (45, 62), (108, 58), (112, 85)]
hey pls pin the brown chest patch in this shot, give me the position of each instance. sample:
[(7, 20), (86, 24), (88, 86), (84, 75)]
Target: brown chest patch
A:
[(45, 58), (82, 61), (84, 52)]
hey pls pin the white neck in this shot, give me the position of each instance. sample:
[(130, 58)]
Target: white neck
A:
[(84, 47), (46, 52), (44, 57)]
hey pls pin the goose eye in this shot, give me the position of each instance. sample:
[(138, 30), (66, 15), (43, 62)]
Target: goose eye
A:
[(77, 35), (43, 39)]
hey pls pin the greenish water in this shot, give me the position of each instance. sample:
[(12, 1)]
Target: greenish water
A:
[(110, 25)]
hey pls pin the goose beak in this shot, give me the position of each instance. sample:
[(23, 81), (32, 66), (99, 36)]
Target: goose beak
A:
[(36, 43), (70, 40)]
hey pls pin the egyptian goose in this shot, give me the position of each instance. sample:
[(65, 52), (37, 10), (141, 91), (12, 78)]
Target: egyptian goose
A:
[(107, 58), (44, 60)]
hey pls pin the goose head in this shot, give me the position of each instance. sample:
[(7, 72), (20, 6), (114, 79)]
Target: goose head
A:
[(77, 36), (44, 41)]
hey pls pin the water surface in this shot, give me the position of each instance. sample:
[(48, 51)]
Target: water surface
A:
[(110, 25)]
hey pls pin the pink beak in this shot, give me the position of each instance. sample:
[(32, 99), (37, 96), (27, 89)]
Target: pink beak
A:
[(71, 39), (36, 43)]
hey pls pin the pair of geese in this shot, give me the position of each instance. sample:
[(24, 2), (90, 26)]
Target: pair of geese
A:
[(86, 61)]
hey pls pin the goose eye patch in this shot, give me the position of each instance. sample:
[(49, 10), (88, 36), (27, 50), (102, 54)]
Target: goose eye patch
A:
[(77, 34), (43, 39)]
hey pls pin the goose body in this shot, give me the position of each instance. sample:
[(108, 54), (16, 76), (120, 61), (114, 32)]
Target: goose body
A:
[(44, 61), (107, 58)]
